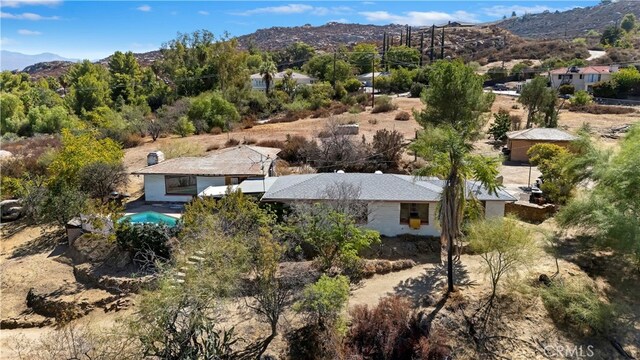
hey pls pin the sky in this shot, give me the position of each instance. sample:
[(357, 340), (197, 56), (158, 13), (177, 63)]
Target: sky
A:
[(95, 29)]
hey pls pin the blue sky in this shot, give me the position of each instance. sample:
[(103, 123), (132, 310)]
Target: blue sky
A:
[(93, 30)]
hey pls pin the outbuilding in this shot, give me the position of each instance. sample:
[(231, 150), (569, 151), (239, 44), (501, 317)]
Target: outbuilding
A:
[(519, 142)]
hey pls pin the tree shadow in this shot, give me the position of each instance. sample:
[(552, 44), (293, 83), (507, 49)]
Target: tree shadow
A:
[(432, 281), (47, 241), (9, 229)]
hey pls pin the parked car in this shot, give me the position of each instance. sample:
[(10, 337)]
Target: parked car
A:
[(500, 87)]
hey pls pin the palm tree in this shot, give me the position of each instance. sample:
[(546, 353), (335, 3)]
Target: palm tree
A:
[(453, 117), (267, 70)]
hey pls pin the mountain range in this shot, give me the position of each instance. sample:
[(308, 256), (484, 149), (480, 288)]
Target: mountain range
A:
[(10, 60)]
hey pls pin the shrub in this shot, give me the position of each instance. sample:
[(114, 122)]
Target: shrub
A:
[(390, 330), (232, 142), (387, 149), (417, 89), (515, 106), (248, 122), (566, 89), (176, 149), (249, 141), (294, 150), (577, 305), (321, 113), (580, 98), (323, 301), (184, 127), (602, 109), (297, 105), (212, 109), (339, 109), (271, 143), (403, 116), (131, 141), (383, 104), (373, 121), (213, 147), (352, 85), (216, 130), (363, 99), (605, 89), (140, 238), (356, 109)]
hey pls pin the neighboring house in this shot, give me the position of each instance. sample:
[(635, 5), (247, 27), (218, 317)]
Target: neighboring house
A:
[(582, 78), (257, 82), (180, 179), (367, 78), (395, 204), (519, 142)]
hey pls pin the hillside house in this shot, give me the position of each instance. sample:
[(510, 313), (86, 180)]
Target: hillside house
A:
[(180, 179), (394, 204), (519, 142), (258, 83), (368, 78), (582, 78)]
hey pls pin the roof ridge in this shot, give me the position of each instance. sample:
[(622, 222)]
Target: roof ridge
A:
[(298, 183), (401, 177)]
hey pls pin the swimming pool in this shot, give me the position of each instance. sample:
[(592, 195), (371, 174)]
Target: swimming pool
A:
[(150, 217)]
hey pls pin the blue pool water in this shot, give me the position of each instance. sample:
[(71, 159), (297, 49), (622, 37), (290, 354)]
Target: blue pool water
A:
[(150, 217)]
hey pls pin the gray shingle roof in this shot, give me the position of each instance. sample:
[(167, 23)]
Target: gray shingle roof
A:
[(372, 187), (543, 134)]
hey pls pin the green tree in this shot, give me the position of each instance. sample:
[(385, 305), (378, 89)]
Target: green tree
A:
[(401, 80), (184, 127), (504, 245), (298, 53), (627, 81), (402, 56), (611, 35), (628, 23), (551, 160), (78, 151), (581, 98), (364, 58), (501, 125), (333, 235), (51, 120), (200, 62), (89, 87), (211, 110), (11, 113), (609, 212), (324, 300), (540, 102), (267, 71), (126, 77), (317, 66), (352, 85), (453, 117)]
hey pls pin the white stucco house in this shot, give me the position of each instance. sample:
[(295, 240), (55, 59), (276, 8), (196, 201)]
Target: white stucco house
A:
[(257, 83), (395, 204), (180, 179), (582, 78), (368, 78)]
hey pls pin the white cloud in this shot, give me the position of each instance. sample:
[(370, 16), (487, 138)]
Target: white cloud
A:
[(297, 9), (341, 20), (28, 32), (18, 3), (202, 12), (501, 10), (418, 18), (27, 16), (4, 41), (145, 8)]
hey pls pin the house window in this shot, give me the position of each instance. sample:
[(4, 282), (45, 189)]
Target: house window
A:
[(593, 78), (412, 211), (180, 185), (559, 77), (581, 76)]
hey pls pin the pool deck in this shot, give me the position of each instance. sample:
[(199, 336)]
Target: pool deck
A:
[(170, 209)]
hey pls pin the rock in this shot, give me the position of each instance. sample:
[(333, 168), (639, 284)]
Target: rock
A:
[(55, 308), (543, 278), (429, 300)]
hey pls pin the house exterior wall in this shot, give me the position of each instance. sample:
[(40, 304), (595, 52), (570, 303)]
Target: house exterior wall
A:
[(384, 217), (520, 147), (579, 81), (154, 190), (494, 209)]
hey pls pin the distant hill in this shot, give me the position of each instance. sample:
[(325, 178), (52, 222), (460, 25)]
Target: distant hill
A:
[(10, 60), (575, 23)]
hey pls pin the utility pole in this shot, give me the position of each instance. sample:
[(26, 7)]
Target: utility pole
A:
[(408, 36), (401, 38), (384, 49), (335, 54), (433, 36), (421, 47), (442, 45), (373, 79)]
